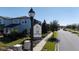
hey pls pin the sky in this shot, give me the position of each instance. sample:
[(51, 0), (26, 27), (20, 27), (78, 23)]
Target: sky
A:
[(64, 15)]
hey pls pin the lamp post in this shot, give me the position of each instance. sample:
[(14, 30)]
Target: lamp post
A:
[(31, 15)]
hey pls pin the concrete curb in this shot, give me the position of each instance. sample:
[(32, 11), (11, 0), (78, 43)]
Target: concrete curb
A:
[(41, 44), (57, 47)]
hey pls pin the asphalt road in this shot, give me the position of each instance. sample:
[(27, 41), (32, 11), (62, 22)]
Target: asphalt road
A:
[(68, 41)]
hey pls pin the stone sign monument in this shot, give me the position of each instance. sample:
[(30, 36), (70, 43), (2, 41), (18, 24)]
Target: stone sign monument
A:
[(37, 31)]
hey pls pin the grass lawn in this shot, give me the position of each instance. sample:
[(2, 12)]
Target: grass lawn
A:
[(55, 34), (73, 31), (50, 44), (19, 41)]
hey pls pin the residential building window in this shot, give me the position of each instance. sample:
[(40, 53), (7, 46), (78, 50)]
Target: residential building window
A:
[(0, 22), (25, 21), (22, 21)]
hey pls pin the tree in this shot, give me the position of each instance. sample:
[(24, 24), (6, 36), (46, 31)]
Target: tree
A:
[(44, 27), (54, 25), (73, 26), (1, 29), (78, 27), (48, 27), (68, 26)]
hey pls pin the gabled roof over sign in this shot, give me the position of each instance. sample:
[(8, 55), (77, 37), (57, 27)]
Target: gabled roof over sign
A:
[(37, 22)]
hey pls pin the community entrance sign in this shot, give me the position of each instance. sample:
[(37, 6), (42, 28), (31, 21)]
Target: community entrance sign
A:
[(37, 31)]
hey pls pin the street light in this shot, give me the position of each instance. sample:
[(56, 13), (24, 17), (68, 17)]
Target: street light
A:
[(31, 14)]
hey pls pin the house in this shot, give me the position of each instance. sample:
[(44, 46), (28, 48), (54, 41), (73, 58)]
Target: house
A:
[(18, 24), (4, 21)]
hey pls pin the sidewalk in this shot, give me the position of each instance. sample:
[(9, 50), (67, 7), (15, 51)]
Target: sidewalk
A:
[(40, 45)]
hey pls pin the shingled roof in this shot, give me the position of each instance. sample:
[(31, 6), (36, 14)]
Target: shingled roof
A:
[(4, 17), (9, 18), (21, 17)]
